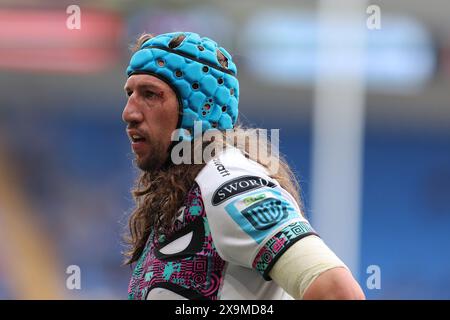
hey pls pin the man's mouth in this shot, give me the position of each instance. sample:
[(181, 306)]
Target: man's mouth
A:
[(137, 139), (135, 136)]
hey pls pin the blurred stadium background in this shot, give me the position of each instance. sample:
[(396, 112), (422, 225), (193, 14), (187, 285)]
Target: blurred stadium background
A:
[(364, 118)]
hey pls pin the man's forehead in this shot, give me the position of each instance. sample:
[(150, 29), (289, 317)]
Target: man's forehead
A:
[(136, 80)]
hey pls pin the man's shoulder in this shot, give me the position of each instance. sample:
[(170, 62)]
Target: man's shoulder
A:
[(231, 163), (232, 172)]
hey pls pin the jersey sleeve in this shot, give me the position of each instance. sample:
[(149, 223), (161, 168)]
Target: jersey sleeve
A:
[(252, 220)]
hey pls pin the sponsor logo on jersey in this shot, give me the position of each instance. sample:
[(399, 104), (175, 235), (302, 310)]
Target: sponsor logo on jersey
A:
[(266, 213), (252, 199), (221, 168), (237, 186)]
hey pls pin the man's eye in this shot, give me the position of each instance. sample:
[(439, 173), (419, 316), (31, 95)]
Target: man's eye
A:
[(149, 94), (129, 93)]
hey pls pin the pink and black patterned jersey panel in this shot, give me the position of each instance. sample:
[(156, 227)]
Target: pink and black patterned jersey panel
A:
[(184, 261)]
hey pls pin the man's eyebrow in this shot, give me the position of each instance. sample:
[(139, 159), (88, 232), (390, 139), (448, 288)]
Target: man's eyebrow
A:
[(144, 86)]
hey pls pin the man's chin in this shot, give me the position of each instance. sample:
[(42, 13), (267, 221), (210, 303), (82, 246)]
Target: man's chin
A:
[(146, 164)]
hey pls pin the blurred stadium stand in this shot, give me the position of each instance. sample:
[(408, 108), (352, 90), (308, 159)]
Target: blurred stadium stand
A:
[(65, 156)]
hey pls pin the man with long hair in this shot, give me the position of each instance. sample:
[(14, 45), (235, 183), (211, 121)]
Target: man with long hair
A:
[(229, 226)]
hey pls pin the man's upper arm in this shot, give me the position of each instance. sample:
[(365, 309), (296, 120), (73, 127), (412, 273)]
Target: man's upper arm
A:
[(336, 284), (310, 270), (257, 224)]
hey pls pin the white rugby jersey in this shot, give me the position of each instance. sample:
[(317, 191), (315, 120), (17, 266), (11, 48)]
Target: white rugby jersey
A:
[(235, 223)]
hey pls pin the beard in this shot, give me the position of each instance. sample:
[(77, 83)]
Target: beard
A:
[(154, 159)]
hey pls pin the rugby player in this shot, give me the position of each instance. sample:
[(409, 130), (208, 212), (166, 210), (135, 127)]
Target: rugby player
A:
[(226, 227)]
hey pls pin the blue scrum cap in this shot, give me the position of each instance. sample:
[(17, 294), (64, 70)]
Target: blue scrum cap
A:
[(207, 91)]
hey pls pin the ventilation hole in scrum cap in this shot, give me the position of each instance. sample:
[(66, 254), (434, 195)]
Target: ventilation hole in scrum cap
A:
[(207, 106), (214, 124), (195, 86), (222, 59), (224, 108), (201, 48), (178, 74), (220, 81), (175, 42), (210, 100), (232, 91), (205, 69), (161, 63), (204, 113)]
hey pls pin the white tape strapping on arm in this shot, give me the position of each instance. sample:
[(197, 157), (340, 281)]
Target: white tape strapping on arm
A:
[(302, 263)]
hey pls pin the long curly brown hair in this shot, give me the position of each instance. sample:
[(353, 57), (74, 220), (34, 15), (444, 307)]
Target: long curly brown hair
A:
[(159, 194)]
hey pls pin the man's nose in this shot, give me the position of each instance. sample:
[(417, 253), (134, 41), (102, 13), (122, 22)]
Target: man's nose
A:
[(131, 112)]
